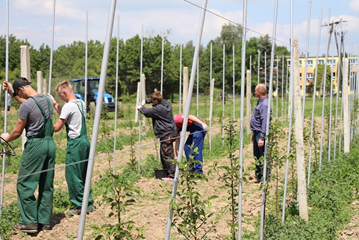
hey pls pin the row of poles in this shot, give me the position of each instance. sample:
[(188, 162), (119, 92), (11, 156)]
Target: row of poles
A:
[(188, 102)]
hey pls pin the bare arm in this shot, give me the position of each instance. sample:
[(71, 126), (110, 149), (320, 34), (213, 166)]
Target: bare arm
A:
[(7, 86), (19, 99), (19, 127), (57, 108), (60, 123), (195, 119)]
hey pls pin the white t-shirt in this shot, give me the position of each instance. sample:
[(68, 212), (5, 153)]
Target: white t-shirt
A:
[(71, 113)]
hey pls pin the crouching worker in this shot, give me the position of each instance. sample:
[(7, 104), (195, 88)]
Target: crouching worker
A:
[(198, 130), (164, 128), (72, 115)]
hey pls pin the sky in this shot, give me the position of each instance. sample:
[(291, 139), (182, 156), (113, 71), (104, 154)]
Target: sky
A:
[(177, 19)]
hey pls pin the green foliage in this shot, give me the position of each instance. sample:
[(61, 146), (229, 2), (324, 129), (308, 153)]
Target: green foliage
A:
[(9, 215), (330, 195), (119, 194), (61, 200), (229, 175), (151, 163), (190, 209), (69, 60), (275, 158), (321, 76)]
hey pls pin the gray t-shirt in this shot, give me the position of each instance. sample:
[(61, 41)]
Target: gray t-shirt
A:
[(31, 112)]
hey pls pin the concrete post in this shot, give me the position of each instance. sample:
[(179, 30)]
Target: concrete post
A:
[(302, 185), (185, 87), (249, 95), (39, 81), (44, 86), (25, 62), (346, 121), (24, 72)]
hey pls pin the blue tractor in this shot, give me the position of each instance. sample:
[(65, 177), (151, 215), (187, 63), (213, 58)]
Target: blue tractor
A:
[(92, 93)]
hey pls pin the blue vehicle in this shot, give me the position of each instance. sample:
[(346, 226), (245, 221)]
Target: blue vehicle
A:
[(92, 92)]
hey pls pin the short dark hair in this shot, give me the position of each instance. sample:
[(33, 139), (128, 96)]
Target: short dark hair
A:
[(156, 96)]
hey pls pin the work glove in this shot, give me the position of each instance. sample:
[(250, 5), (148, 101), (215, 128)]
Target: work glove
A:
[(4, 136), (7, 86), (205, 127), (142, 104), (52, 99)]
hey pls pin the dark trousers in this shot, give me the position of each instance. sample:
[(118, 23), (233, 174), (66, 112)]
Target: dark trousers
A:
[(258, 152), (167, 153)]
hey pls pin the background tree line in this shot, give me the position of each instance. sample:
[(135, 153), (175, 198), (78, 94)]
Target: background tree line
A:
[(69, 61)]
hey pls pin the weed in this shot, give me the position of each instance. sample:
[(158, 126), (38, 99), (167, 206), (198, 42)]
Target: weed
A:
[(61, 200), (9, 215), (148, 169)]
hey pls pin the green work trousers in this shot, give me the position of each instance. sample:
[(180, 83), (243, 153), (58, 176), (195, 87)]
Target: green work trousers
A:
[(38, 155), (77, 150)]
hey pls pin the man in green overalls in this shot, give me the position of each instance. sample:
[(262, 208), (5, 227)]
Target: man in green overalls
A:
[(38, 158), (72, 115)]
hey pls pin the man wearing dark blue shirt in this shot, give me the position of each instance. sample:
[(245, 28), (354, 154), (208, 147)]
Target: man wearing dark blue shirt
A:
[(258, 127)]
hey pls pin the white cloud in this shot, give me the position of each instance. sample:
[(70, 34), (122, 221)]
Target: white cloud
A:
[(354, 5), (41, 7)]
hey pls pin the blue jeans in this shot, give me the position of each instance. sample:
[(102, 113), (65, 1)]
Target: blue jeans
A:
[(197, 138)]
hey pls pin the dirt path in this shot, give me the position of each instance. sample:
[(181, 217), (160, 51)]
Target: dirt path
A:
[(151, 207)]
